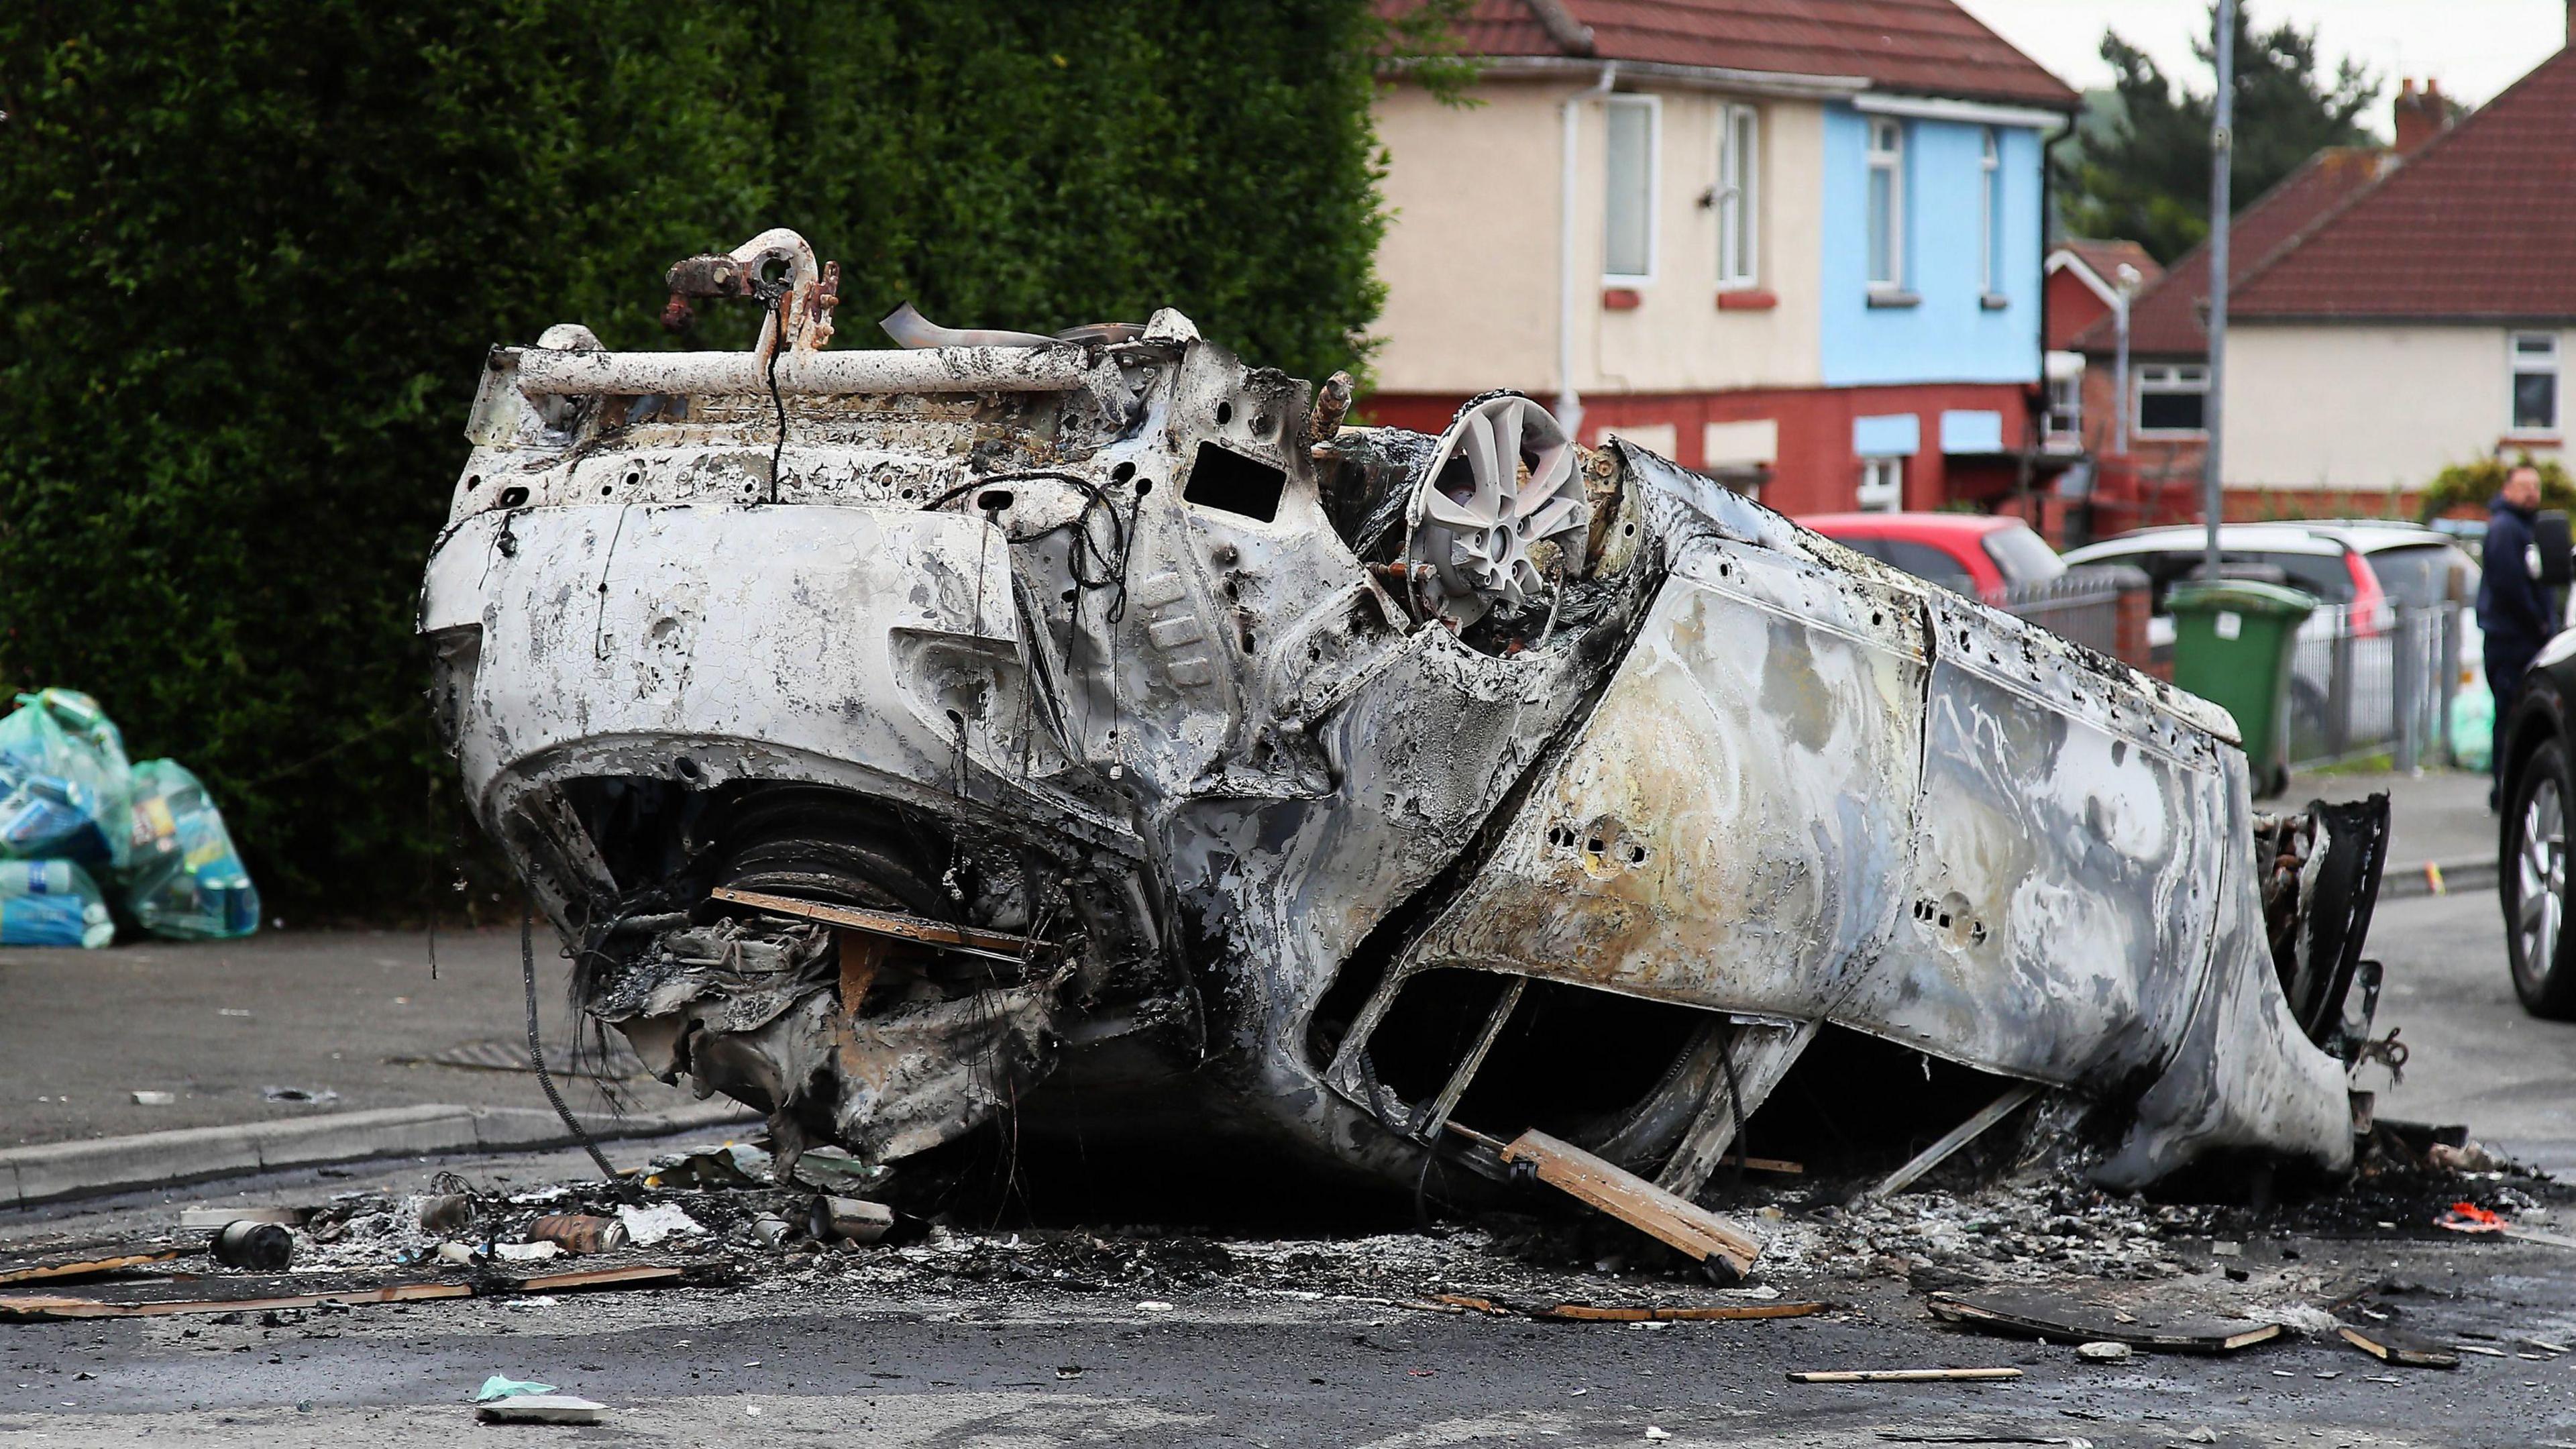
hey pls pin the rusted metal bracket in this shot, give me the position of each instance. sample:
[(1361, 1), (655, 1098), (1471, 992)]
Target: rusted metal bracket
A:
[(1763, 1054), (1957, 1137), (1427, 1126)]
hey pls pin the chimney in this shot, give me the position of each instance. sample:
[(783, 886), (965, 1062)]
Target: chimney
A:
[(2422, 115)]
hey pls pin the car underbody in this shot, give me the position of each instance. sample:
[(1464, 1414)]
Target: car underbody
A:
[(1009, 724)]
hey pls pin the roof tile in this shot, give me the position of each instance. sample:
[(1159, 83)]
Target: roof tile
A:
[(2479, 223), (1929, 47)]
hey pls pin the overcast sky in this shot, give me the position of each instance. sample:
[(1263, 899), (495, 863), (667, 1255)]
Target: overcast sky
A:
[(2475, 48)]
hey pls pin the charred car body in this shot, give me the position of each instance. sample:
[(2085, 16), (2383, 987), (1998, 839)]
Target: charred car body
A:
[(891, 732)]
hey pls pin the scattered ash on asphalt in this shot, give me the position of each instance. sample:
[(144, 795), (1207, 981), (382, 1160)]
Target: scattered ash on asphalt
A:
[(719, 1211)]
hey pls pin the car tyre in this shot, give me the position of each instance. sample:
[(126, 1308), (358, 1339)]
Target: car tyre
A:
[(2531, 884)]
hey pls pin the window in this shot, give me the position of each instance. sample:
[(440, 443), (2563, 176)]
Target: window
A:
[(2172, 398), (1628, 215), (1882, 485), (1928, 563), (2535, 382), (1990, 211), (1739, 193), (2065, 417), (1886, 205)]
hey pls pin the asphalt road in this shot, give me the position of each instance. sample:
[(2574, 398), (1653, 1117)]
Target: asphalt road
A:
[(844, 1356), (217, 1023)]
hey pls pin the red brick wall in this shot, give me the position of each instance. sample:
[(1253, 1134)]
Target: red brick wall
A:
[(1817, 471), (2072, 307)]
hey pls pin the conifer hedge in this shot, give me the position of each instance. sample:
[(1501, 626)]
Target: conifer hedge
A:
[(252, 251)]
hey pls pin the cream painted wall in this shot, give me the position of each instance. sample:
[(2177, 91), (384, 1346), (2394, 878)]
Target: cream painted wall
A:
[(1470, 261), (2367, 407)]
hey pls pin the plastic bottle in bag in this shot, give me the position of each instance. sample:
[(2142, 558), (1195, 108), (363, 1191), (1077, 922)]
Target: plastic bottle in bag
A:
[(183, 878), (63, 780), (51, 903)]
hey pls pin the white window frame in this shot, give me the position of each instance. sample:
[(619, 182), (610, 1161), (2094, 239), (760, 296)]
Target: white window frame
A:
[(1882, 484), (1653, 106), (2065, 409), (1990, 206), (1739, 198), (1890, 158), (2168, 378), (2519, 364)]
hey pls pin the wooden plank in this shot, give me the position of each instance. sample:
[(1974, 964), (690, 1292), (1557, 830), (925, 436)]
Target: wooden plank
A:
[(883, 923), (1730, 1313), (2389, 1345), (1605, 1313), (2038, 1315), (16, 1307), (1957, 1137), (1762, 1055), (78, 1265), (1634, 1201), (1902, 1376)]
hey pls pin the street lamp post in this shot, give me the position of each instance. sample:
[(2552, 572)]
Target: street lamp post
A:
[(2124, 285), (2222, 150)]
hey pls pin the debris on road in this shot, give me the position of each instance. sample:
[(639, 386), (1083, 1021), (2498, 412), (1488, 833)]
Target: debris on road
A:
[(162, 1297), (1003, 720), (215, 1219), (264, 1247), (1902, 1376), (79, 1264), (155, 1099), (579, 1233), (500, 1386), (647, 1226), (1599, 1313), (2105, 1351), (849, 1219), (2394, 1345), (307, 1096), (1699, 1235), (540, 1409), (2045, 1316)]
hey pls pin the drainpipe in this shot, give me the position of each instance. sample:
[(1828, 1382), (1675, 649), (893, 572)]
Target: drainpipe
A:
[(1569, 404)]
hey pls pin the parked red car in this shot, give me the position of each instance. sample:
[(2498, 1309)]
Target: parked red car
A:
[(1970, 553)]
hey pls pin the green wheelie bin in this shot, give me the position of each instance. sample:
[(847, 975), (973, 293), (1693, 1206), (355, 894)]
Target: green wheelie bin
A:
[(2232, 643)]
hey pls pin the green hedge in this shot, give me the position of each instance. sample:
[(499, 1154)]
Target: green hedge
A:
[(251, 254)]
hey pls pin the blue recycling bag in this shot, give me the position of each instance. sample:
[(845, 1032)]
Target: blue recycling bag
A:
[(51, 903)]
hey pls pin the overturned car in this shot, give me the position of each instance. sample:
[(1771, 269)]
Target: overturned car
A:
[(899, 738)]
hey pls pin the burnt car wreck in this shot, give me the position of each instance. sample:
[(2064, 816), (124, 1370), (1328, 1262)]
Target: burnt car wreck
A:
[(899, 738)]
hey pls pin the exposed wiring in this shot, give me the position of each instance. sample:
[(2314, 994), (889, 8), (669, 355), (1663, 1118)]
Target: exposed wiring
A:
[(537, 1059), (776, 298)]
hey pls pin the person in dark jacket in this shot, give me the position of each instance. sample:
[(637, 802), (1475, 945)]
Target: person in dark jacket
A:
[(2513, 609)]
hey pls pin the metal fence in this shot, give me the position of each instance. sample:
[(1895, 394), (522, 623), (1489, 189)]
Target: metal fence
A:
[(2375, 685), (2083, 604)]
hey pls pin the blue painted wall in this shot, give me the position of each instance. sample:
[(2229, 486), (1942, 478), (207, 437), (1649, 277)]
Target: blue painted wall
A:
[(1949, 336)]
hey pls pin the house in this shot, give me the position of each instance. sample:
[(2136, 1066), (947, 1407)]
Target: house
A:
[(1795, 244), (2085, 280), (2391, 312), (2157, 477)]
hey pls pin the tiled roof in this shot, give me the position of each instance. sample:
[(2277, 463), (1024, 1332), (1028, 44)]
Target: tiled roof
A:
[(2105, 258), (1924, 47), (2165, 318), (2479, 223)]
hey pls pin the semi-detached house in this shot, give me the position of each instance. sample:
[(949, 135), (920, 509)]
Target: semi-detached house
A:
[(1793, 243)]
